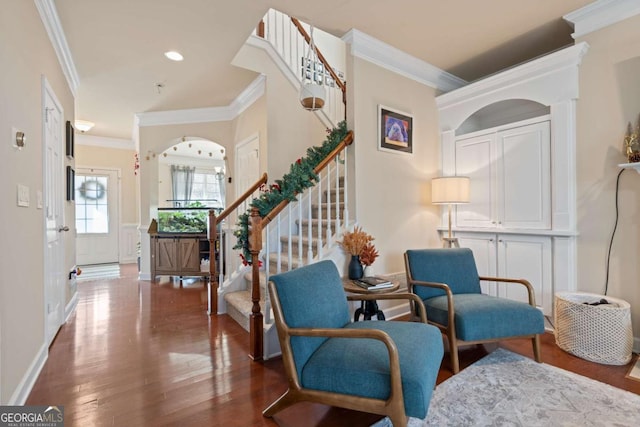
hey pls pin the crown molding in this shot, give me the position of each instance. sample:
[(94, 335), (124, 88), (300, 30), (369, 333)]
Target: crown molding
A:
[(543, 66), (600, 14), (386, 56), (105, 142), (204, 115), (51, 21)]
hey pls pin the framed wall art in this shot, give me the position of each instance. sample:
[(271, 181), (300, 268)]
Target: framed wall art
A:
[(71, 179), (395, 131), (69, 138)]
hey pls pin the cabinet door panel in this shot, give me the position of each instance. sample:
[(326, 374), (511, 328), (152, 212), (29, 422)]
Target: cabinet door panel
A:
[(475, 158), (526, 257), (189, 255), (524, 177), (166, 255), (484, 252)]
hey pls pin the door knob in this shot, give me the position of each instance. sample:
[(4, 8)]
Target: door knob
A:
[(63, 228)]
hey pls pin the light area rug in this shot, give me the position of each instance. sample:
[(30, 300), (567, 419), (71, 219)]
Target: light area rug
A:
[(506, 389)]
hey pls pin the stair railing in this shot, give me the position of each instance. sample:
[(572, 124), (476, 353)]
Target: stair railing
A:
[(218, 252), (290, 39), (332, 172)]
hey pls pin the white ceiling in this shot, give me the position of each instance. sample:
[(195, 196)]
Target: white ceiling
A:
[(117, 45)]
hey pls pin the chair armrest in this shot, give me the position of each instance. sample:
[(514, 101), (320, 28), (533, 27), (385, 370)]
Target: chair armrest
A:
[(376, 334), (523, 282), (445, 288), (403, 295)]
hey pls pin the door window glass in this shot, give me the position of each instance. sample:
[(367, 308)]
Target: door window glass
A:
[(92, 206)]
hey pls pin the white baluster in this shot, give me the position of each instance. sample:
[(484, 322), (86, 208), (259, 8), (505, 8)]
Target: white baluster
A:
[(279, 248), (346, 189), (330, 203), (299, 203), (319, 243), (337, 178), (289, 242), (267, 250), (310, 228)]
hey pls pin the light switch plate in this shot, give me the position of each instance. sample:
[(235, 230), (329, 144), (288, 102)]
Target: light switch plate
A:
[(23, 196), (39, 199)]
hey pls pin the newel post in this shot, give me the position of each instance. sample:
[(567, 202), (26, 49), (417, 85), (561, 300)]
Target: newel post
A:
[(212, 289), (255, 319)]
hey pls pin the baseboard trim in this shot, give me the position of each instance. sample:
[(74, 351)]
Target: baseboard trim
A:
[(20, 395), (397, 311), (71, 307), (144, 276)]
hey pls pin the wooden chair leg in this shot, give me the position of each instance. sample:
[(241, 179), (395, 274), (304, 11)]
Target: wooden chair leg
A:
[(398, 417), (455, 363), (536, 348), (284, 401)]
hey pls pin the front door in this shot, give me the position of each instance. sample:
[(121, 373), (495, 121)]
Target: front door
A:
[(96, 192), (54, 274)]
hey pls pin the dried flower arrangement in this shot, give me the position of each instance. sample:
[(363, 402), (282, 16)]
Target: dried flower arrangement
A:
[(355, 241), (368, 254)]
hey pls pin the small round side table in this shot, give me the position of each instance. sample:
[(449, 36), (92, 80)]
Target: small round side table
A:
[(368, 308)]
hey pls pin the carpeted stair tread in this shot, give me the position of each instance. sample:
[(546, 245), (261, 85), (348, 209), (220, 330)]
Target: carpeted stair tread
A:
[(239, 306)]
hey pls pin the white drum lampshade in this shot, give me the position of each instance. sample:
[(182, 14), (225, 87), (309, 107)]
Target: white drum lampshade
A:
[(450, 190)]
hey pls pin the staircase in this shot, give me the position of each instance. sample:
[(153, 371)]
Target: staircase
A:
[(295, 233), (302, 248)]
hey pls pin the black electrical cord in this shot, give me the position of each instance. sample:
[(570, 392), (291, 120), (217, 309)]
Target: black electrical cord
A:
[(615, 226)]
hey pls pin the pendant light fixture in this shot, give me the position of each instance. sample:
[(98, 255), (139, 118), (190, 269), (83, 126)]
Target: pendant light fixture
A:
[(312, 93)]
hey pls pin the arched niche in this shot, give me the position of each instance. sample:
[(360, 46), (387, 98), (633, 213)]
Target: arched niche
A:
[(501, 113), (206, 156)]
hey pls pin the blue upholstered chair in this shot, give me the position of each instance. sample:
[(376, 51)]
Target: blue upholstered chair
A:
[(447, 281), (386, 368)]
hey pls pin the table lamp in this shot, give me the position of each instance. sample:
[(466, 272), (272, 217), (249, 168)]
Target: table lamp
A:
[(450, 190)]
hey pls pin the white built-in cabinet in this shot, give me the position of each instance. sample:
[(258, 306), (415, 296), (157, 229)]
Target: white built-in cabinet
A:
[(509, 169), (510, 173), (516, 256), (514, 135)]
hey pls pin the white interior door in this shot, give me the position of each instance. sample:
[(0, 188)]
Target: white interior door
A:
[(247, 164), (54, 274), (97, 223)]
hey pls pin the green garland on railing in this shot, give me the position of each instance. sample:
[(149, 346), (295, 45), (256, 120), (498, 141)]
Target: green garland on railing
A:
[(300, 177)]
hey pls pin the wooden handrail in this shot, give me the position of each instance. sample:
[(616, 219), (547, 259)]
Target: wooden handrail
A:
[(214, 220), (322, 59), (261, 181), (346, 141)]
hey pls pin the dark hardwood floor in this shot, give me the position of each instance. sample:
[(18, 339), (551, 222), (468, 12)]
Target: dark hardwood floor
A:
[(142, 354)]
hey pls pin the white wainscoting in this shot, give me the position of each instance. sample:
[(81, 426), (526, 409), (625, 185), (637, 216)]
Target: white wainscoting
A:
[(128, 243)]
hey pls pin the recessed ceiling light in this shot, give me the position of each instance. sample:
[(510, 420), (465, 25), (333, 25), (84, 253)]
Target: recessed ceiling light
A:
[(173, 55)]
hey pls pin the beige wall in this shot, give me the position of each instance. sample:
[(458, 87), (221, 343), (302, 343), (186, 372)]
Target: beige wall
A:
[(114, 158), (252, 121), (290, 129), (27, 55), (609, 99), (392, 190)]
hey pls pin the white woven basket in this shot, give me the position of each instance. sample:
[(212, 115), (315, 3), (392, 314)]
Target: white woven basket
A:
[(599, 333)]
